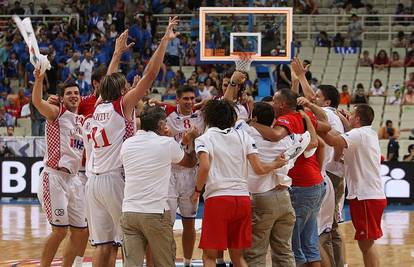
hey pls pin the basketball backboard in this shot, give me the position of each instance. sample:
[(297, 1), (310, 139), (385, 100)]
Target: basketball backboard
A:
[(264, 32)]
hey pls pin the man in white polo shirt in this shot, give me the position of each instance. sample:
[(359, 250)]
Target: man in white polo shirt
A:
[(273, 216), (147, 159), (366, 196)]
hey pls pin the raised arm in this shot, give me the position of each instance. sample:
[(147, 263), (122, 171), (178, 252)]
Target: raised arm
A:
[(236, 80), (121, 46), (300, 72), (49, 111), (318, 111), (151, 71)]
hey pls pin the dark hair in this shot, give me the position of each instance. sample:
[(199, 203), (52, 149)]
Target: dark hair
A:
[(289, 97), (264, 113), (184, 89), (220, 113), (151, 117), (365, 113), (67, 85), (99, 73), (330, 93), (388, 121), (268, 98), (378, 81), (111, 86), (410, 147)]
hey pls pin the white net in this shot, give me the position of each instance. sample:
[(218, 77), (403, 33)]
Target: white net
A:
[(243, 61)]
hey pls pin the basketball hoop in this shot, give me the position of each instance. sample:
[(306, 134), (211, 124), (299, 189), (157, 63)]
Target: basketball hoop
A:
[(243, 60)]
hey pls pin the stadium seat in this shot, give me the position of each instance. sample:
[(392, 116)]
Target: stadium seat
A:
[(19, 131), (26, 124), (377, 101)]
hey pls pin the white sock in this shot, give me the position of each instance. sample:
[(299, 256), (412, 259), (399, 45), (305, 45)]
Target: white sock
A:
[(187, 262), (220, 261), (78, 261)]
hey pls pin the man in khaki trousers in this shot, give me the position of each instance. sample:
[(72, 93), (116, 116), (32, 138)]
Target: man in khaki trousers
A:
[(147, 159)]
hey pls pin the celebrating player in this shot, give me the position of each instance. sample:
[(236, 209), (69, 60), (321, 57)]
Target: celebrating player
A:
[(60, 189)]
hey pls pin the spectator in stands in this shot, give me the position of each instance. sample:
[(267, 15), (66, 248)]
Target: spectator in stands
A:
[(360, 97), (190, 59), (179, 76), (283, 76), (84, 86), (410, 155), (377, 89), (400, 40), (371, 21), (381, 61), (13, 110), (87, 66), (355, 31), (5, 118), (395, 60), (12, 66), (10, 131), (388, 130), (5, 88), (21, 100), (18, 10), (408, 98), (345, 97), (305, 7), (204, 92), (73, 63), (396, 98), (356, 3), (365, 60), (410, 81), (322, 40), (44, 10), (409, 57), (30, 10), (393, 148), (38, 121), (172, 52)]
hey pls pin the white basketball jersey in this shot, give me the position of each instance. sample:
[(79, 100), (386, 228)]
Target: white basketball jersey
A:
[(64, 143), (109, 129), (179, 124), (87, 143)]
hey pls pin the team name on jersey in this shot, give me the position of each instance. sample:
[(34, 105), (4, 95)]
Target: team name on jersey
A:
[(101, 116)]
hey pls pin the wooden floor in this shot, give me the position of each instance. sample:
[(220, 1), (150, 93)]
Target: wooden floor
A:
[(24, 228)]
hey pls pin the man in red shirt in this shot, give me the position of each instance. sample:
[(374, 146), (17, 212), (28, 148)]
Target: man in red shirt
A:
[(308, 187)]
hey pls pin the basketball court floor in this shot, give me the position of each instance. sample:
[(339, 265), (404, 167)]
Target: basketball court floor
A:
[(24, 229)]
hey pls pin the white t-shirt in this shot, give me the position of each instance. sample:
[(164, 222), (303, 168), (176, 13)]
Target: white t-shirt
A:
[(326, 212), (147, 159), (330, 164), (362, 164), (87, 68), (268, 151), (377, 91), (205, 94), (25, 111), (228, 150)]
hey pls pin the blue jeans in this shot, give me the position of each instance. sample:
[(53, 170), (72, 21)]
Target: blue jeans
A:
[(305, 239)]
